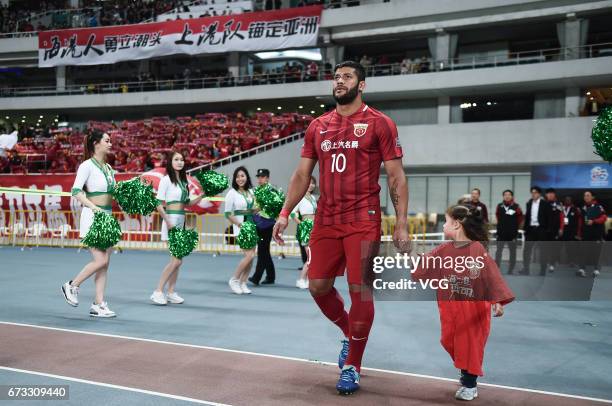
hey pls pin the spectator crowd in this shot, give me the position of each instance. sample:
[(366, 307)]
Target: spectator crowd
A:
[(142, 144)]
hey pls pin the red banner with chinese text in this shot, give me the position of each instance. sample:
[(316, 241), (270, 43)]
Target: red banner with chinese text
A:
[(270, 30)]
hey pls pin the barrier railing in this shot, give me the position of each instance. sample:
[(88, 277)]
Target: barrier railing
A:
[(19, 34), (249, 152), (393, 69), (58, 228)]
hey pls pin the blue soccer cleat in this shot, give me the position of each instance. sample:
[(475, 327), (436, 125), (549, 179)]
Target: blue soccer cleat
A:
[(349, 381), (343, 353)]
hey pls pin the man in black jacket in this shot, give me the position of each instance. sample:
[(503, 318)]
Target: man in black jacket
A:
[(509, 216), (537, 218), (572, 229), (555, 230), (475, 194), (593, 232), (264, 231)]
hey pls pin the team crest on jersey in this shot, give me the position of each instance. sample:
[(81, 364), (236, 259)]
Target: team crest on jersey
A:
[(359, 129), (326, 145), (474, 272)]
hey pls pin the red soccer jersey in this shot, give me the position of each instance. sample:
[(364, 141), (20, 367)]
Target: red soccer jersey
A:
[(350, 151)]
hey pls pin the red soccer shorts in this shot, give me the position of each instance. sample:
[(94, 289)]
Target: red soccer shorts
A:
[(337, 247)]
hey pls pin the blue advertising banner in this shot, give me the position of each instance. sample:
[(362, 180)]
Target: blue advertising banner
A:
[(573, 176)]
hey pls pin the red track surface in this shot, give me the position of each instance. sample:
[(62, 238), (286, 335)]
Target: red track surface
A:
[(228, 377)]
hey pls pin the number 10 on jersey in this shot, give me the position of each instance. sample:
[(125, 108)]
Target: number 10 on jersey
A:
[(338, 163)]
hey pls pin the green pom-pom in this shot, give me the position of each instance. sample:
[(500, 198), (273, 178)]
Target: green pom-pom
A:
[(303, 231), (134, 197), (602, 135), (212, 182), (104, 232), (182, 241), (269, 200), (247, 237)]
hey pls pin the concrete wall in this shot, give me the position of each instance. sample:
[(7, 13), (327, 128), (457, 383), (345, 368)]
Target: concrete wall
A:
[(402, 9), (281, 162), (418, 17), (18, 45), (499, 143)]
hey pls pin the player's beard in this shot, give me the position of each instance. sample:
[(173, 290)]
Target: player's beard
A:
[(348, 97)]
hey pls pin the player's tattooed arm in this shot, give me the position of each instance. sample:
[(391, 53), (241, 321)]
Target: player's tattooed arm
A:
[(398, 187), (394, 195)]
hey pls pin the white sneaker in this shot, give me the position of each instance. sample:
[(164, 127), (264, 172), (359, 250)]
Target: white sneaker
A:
[(159, 298), (245, 289), (101, 310), (466, 393), (71, 294), (174, 298), (596, 273), (581, 273), (234, 285), (301, 283)]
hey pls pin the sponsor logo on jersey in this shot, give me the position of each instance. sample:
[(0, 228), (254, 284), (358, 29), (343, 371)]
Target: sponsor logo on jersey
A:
[(327, 145), (359, 129)]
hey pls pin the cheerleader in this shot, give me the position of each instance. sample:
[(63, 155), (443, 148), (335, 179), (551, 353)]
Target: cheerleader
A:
[(239, 203), (305, 210), (174, 191), (93, 188)]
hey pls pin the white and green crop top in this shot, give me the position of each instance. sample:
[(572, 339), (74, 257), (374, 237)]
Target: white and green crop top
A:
[(172, 193), (94, 178), (306, 206)]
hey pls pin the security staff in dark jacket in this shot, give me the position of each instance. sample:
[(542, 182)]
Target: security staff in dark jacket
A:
[(264, 231), (509, 217), (475, 194), (537, 218), (552, 248), (593, 233), (572, 228)]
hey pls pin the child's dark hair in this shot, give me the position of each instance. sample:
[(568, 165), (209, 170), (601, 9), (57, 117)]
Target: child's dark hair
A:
[(89, 143), (472, 222), (172, 172)]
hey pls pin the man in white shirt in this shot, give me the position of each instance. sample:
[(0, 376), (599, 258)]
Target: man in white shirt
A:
[(537, 219)]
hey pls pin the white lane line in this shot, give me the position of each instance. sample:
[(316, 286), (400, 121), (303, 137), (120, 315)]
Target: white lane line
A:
[(565, 395), (108, 385)]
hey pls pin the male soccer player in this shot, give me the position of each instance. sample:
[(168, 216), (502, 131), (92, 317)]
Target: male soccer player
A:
[(349, 143)]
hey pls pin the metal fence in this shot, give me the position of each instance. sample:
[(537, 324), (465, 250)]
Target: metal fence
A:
[(57, 228)]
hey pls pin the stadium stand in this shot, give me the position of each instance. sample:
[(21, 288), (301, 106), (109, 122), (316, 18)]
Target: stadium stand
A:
[(142, 144)]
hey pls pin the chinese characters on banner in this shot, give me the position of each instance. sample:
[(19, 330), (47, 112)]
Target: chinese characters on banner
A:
[(282, 29)]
